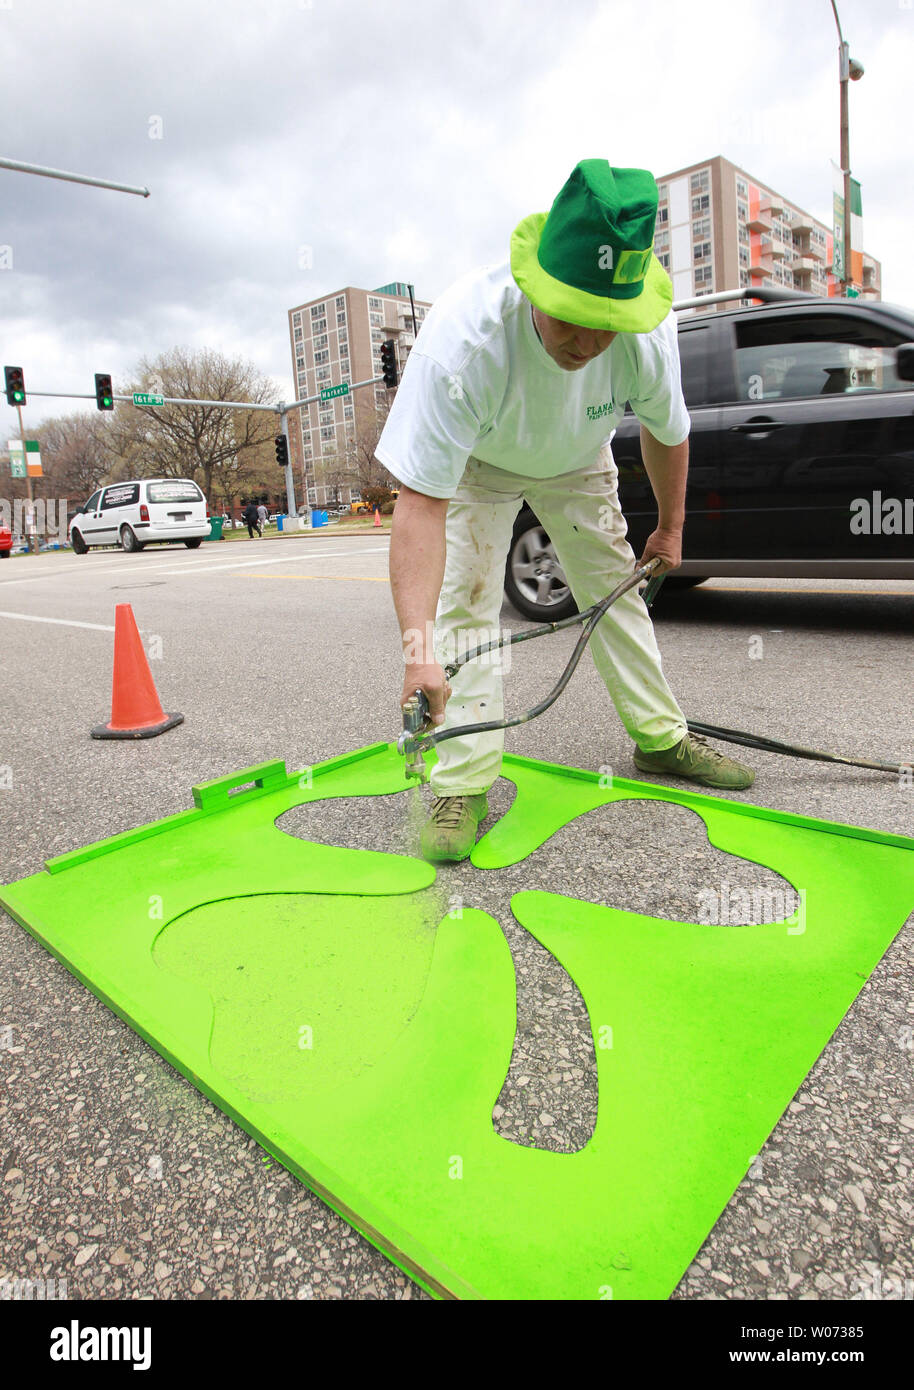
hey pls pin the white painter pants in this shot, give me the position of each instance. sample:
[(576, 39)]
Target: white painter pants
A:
[(581, 514)]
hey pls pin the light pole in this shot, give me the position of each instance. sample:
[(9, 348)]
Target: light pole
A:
[(848, 70)]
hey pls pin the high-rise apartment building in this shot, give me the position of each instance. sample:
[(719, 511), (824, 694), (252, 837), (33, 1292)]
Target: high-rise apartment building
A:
[(337, 339), (719, 227)]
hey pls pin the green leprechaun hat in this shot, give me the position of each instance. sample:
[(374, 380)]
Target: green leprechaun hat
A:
[(590, 259)]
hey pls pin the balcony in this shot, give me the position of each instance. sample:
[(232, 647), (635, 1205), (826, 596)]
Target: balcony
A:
[(760, 222), (801, 264), (802, 222), (771, 206)]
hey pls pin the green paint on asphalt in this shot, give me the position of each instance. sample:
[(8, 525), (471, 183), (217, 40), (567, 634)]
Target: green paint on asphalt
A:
[(330, 1003)]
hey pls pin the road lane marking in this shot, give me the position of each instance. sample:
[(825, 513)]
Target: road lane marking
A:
[(358, 578), (202, 568), (747, 589), (61, 622)]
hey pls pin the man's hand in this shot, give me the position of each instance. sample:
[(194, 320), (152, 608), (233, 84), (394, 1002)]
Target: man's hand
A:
[(432, 680), (666, 542)]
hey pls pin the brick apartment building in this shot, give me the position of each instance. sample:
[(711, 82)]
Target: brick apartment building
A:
[(336, 339), (719, 227)]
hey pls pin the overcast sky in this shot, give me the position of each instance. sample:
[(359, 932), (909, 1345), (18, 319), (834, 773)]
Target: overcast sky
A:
[(397, 139)]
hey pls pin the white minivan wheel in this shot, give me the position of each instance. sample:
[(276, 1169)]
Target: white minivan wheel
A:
[(129, 541)]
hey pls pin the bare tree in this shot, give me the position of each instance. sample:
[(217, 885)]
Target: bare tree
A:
[(226, 451), (75, 457)]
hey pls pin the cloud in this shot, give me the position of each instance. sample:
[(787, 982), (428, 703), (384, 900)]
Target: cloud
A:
[(396, 141)]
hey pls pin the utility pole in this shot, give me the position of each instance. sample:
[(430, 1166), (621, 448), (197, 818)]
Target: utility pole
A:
[(849, 70), (32, 540)]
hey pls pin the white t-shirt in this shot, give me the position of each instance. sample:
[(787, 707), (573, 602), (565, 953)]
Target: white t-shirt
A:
[(479, 383)]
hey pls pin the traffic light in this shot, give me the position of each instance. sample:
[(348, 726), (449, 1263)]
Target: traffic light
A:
[(15, 385), (282, 450), (389, 363), (104, 394)]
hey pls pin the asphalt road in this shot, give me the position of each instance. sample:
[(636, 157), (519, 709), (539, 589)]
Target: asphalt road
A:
[(120, 1178)]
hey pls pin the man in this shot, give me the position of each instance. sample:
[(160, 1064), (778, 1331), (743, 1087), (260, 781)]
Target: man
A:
[(262, 515), (513, 390), (250, 517)]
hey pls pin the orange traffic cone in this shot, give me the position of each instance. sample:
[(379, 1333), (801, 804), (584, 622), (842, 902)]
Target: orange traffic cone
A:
[(135, 708), (377, 517)]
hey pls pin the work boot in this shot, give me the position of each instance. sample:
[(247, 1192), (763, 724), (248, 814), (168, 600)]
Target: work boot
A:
[(450, 831), (696, 760)]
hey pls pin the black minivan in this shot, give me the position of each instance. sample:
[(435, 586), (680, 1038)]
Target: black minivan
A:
[(801, 453)]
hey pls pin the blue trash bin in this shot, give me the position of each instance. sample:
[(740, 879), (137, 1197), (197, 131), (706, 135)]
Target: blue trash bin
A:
[(318, 518), (279, 521)]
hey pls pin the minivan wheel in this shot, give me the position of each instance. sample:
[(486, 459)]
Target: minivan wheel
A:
[(129, 541), (78, 544), (193, 542), (534, 580)]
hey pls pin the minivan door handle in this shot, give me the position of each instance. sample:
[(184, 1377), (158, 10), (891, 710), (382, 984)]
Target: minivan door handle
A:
[(758, 426)]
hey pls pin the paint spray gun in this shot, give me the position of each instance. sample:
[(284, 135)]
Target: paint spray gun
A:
[(415, 717)]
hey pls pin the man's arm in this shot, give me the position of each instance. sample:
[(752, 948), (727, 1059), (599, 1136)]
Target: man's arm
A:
[(667, 467), (417, 555)]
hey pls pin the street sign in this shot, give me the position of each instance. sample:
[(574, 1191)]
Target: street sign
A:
[(144, 398), (17, 458), (329, 392)]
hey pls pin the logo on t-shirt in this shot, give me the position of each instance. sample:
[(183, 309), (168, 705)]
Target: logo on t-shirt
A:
[(597, 412)]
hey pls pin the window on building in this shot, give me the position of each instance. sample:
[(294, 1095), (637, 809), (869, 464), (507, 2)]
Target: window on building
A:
[(742, 212), (321, 357), (742, 188), (703, 278), (318, 311), (327, 432), (300, 363), (664, 259), (374, 303), (341, 301), (298, 335), (663, 216), (323, 373), (341, 319), (662, 192), (296, 318), (376, 318), (701, 251), (701, 228), (700, 181), (700, 204)]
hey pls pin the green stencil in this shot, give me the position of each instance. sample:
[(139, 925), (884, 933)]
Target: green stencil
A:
[(330, 1003)]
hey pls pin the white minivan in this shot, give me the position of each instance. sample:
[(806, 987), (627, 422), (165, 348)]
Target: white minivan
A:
[(134, 515)]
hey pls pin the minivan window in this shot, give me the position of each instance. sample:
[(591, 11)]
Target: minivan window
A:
[(786, 358), (122, 495), (93, 501), (693, 357), (178, 491)]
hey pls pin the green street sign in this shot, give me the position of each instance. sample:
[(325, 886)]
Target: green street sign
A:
[(143, 398), (329, 392)]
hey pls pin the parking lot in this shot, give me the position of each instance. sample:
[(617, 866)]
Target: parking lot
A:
[(125, 1181)]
